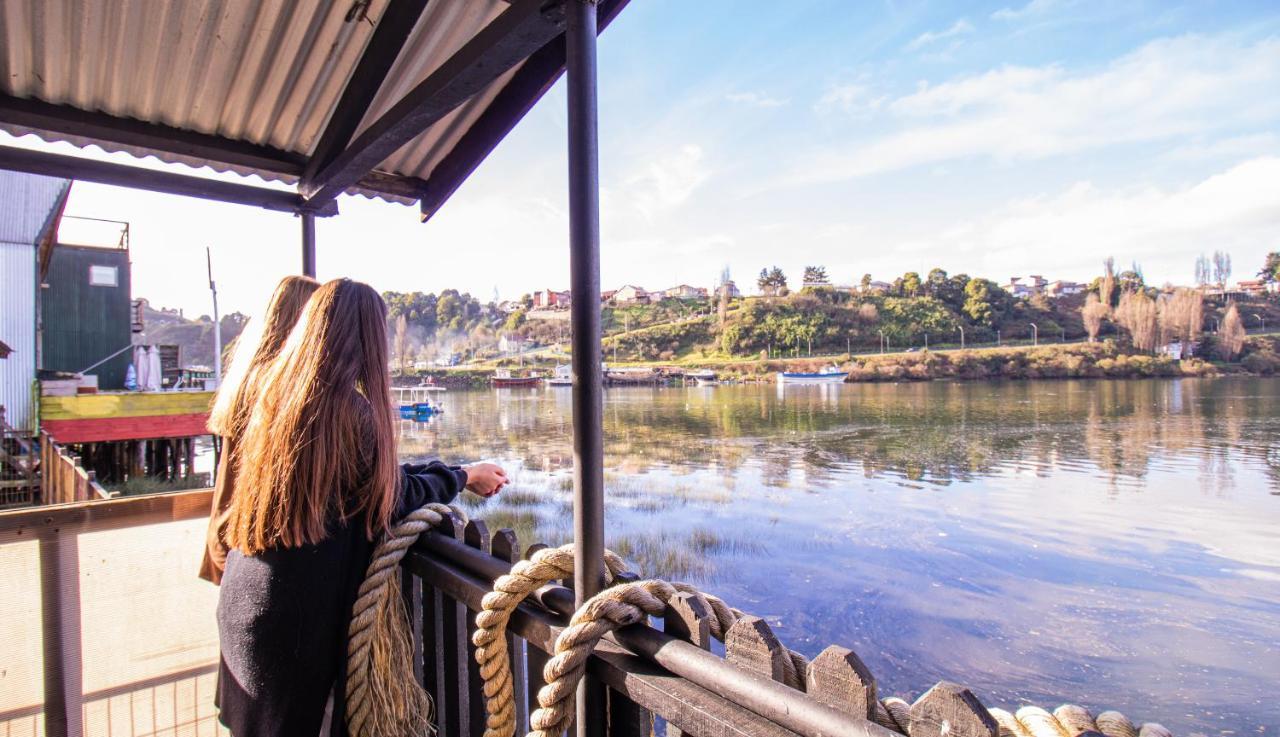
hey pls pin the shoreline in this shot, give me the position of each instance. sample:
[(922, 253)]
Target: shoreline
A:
[(1101, 360)]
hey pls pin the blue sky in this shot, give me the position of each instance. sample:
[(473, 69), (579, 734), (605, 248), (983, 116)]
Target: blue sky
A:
[(995, 139)]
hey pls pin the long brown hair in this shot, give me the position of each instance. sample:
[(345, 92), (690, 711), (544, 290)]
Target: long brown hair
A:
[(253, 353), (320, 442)]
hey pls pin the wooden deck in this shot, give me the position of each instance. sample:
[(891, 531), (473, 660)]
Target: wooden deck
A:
[(110, 416)]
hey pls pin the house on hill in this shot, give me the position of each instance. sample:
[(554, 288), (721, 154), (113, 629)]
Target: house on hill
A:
[(631, 295), (544, 299), (1063, 288), (729, 287), (1034, 284), (684, 291)]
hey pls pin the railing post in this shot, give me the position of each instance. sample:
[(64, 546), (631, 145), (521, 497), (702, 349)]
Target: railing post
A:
[(584, 263), (60, 632)]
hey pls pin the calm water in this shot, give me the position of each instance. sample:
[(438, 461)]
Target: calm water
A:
[(1114, 544)]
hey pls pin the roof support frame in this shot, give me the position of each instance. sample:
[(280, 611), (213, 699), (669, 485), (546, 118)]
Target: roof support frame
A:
[(543, 68), (105, 172), (521, 29), (388, 40), (71, 121)]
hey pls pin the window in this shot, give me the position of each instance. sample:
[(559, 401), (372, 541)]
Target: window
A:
[(104, 276)]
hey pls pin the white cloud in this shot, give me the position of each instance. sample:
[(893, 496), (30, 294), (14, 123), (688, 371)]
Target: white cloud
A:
[(756, 99), (1162, 229), (959, 28), (667, 181), (1190, 86), (854, 98), (1031, 9)]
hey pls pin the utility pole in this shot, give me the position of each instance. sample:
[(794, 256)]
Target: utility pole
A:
[(217, 324)]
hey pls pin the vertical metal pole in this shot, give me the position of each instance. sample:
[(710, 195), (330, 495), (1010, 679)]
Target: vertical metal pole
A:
[(584, 280), (309, 244)]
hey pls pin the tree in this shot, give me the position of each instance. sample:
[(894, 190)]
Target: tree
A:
[(867, 312), (980, 303), (1092, 314), (815, 275), (1137, 314), (1270, 272), (1106, 293), (911, 284), (1204, 273), (935, 282), (1182, 315), (723, 308), (1221, 269), (400, 345), (866, 283), (772, 281), (1231, 334)]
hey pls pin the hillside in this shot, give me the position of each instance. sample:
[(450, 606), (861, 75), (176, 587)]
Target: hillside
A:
[(194, 337)]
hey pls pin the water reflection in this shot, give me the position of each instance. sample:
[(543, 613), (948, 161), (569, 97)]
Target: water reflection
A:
[(1111, 542)]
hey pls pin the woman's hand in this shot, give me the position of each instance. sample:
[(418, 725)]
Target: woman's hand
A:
[(485, 479)]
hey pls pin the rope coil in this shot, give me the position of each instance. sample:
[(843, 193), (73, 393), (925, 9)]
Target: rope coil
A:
[(383, 697)]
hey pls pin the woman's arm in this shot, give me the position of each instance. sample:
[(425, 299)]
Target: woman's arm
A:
[(424, 483)]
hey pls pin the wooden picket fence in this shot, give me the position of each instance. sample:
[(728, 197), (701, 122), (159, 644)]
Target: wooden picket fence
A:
[(63, 479), (653, 676)]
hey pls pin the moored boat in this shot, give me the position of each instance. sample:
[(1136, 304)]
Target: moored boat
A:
[(828, 375), (502, 379), (562, 377)]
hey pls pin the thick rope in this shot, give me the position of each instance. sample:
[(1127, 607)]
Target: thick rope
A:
[(614, 607), (383, 698)]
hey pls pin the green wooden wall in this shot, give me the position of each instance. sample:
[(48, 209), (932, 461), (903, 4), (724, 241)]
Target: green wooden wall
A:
[(84, 323)]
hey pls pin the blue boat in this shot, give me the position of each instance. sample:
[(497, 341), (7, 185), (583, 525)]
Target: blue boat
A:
[(829, 375)]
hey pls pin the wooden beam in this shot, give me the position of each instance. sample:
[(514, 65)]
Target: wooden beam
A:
[(509, 39), (65, 120), (104, 172), (516, 99), (393, 29)]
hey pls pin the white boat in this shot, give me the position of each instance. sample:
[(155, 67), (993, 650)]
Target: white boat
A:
[(562, 377), (707, 382), (828, 375)]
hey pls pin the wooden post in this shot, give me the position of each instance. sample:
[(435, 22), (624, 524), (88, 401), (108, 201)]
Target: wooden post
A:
[(688, 619), (476, 536), (60, 633), (411, 596), (839, 678), (506, 547), (535, 658), (751, 645), (951, 710), (452, 706)]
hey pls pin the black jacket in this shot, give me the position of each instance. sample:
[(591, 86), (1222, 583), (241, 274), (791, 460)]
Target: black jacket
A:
[(283, 616)]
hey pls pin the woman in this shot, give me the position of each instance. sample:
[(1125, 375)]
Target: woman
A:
[(255, 349), (317, 482)]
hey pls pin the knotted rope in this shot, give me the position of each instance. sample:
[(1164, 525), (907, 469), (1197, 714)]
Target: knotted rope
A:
[(617, 606), (383, 697)]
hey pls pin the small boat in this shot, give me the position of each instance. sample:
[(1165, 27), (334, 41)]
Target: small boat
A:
[(632, 377), (502, 379), (562, 377), (703, 377), (828, 375), (419, 410)]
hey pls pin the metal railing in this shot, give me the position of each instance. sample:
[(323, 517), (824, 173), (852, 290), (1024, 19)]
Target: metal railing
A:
[(655, 679), (19, 467)]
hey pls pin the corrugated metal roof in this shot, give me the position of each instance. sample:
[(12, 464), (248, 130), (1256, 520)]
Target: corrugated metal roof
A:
[(27, 204), (268, 72)]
